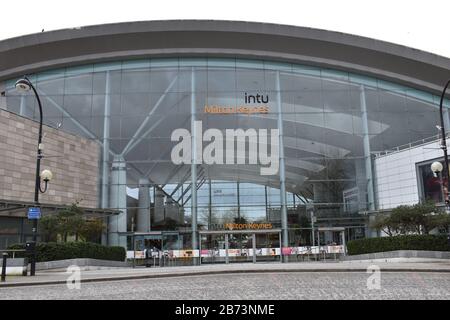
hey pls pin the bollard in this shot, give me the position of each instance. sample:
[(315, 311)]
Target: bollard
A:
[(5, 257)]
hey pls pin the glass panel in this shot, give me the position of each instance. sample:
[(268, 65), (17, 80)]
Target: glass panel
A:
[(325, 128), (79, 84)]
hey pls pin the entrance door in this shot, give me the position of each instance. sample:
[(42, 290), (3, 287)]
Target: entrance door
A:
[(240, 246), (212, 248), (267, 247), (147, 247)]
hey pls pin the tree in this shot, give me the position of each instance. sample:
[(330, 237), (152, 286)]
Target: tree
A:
[(92, 230), (71, 222), (382, 223), (49, 228), (206, 218), (230, 215), (441, 221), (240, 220), (420, 218)]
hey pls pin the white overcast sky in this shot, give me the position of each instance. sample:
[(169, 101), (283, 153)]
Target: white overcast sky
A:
[(423, 25)]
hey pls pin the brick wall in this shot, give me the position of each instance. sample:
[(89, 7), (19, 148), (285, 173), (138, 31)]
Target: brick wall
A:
[(75, 170)]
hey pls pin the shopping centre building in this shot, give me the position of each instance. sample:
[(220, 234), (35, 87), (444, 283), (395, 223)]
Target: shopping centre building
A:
[(201, 136)]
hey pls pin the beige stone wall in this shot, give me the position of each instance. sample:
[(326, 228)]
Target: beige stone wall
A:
[(75, 170)]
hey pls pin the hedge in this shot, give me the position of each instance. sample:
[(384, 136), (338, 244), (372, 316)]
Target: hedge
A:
[(51, 251), (405, 242)]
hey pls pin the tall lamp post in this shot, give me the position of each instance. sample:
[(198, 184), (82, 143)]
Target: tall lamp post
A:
[(24, 85), (443, 142)]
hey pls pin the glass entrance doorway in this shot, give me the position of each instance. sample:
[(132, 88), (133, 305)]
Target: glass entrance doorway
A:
[(229, 246)]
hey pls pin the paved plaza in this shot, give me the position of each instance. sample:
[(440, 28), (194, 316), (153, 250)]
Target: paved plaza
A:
[(429, 279), (278, 286)]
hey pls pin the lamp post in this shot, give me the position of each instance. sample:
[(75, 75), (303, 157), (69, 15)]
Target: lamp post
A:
[(24, 85), (437, 167), (443, 142)]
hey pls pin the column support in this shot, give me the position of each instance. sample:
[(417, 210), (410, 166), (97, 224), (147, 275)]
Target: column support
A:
[(118, 200), (267, 205), (200, 250), (105, 151), (367, 156), (210, 205), (281, 248), (106, 135), (193, 168), (143, 215), (284, 226), (227, 260), (343, 242), (238, 200), (254, 247)]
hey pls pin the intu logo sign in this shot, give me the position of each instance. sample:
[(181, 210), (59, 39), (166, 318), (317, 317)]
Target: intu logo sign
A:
[(253, 103)]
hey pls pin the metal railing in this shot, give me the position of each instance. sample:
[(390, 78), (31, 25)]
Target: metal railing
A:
[(435, 138), (13, 251), (5, 259)]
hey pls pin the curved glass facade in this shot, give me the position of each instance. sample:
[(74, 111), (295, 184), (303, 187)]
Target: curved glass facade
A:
[(331, 124)]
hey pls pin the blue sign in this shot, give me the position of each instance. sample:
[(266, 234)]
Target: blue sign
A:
[(34, 213)]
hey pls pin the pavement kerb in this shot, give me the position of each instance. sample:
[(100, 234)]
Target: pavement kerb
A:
[(201, 273)]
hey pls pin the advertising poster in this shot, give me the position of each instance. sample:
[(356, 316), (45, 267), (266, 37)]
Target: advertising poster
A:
[(234, 252), (274, 251), (139, 254), (185, 254), (245, 252), (176, 253), (303, 250), (169, 253), (335, 249), (315, 250)]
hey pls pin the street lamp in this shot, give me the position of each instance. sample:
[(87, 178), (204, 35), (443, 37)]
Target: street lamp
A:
[(437, 167), (443, 142), (24, 85)]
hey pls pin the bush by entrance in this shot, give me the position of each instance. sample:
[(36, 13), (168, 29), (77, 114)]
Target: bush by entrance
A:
[(52, 251), (402, 242)]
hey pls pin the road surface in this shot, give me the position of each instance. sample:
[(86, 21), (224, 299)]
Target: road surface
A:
[(279, 286)]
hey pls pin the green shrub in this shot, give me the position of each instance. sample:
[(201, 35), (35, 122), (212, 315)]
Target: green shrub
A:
[(51, 251), (404, 242)]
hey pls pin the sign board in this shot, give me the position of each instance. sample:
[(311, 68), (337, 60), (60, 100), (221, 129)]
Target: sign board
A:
[(247, 226), (34, 213)]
